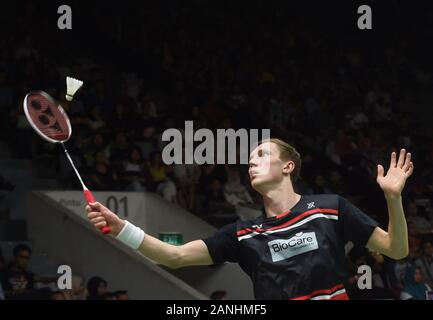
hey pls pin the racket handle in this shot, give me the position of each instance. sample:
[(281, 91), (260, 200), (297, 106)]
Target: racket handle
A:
[(90, 198)]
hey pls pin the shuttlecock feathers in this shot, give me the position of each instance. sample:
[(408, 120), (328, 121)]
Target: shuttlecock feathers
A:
[(72, 85)]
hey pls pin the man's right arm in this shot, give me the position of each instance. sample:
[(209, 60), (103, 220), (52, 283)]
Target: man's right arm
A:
[(189, 254), (193, 253)]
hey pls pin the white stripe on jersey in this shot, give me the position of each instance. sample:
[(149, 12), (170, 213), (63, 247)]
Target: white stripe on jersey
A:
[(308, 219)]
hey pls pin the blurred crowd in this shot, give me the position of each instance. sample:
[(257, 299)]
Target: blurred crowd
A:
[(344, 106)]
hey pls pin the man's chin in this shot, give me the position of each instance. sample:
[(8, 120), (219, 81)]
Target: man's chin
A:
[(259, 184)]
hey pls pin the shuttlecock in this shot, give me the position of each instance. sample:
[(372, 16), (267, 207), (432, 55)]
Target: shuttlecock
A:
[(72, 85)]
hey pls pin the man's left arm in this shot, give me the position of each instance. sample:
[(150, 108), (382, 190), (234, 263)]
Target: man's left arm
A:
[(394, 242)]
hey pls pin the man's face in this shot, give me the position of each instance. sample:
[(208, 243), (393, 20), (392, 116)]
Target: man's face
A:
[(102, 289), (266, 169), (428, 249), (418, 277), (22, 259)]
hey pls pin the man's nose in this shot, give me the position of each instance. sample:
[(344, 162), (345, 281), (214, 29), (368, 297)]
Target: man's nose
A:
[(252, 163)]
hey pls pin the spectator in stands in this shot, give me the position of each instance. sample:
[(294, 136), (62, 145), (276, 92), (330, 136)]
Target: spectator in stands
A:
[(18, 282), (134, 174), (147, 142), (121, 119), (121, 295), (104, 177), (396, 271), (168, 190), (319, 186), (217, 210), (96, 288), (380, 278), (421, 226), (238, 196), (336, 184), (118, 151), (209, 173), (91, 148), (147, 107), (78, 290), (414, 240), (186, 177), (414, 285), (161, 177), (425, 262), (95, 120), (98, 142), (157, 169)]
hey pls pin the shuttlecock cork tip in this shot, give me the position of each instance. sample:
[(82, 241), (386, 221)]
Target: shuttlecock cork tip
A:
[(72, 85)]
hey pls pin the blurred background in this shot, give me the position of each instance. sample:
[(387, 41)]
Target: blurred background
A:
[(345, 98)]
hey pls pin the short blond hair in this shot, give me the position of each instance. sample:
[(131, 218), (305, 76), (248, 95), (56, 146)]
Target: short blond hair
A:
[(288, 153)]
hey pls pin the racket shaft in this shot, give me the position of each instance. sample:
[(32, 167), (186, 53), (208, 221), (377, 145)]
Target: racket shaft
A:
[(88, 195)]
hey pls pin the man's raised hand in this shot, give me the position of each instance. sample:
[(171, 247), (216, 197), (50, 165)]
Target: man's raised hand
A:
[(399, 170)]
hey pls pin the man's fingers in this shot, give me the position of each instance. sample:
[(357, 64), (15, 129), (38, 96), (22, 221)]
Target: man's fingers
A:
[(94, 214), (401, 158), (97, 220), (410, 170), (100, 225), (95, 205), (407, 162), (393, 162), (380, 171)]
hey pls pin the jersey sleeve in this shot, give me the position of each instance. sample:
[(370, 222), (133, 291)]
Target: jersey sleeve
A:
[(356, 225), (223, 245)]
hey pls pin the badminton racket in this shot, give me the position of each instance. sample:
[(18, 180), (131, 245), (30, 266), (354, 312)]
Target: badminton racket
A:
[(51, 122)]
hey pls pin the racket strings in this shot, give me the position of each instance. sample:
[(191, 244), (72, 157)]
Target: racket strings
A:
[(49, 118)]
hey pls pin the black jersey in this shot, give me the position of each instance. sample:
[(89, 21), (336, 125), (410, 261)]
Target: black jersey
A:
[(298, 254)]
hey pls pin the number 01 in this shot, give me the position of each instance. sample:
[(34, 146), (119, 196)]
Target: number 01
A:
[(113, 204)]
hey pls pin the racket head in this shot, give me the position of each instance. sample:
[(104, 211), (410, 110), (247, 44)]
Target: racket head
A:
[(47, 117)]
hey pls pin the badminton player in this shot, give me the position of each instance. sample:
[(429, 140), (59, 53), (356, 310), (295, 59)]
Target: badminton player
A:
[(295, 251)]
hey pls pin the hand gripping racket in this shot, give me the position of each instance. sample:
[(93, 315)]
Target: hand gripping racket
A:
[(51, 122)]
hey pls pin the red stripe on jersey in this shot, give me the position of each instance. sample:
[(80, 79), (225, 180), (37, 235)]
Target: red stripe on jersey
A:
[(283, 214), (291, 221), (341, 296), (323, 292), (304, 215)]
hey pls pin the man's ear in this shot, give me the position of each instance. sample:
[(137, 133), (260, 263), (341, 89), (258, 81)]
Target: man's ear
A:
[(289, 167)]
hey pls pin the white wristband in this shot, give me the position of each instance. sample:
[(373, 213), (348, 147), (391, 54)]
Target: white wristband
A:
[(131, 235)]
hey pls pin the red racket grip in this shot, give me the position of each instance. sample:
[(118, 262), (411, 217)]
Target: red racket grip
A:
[(90, 198)]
